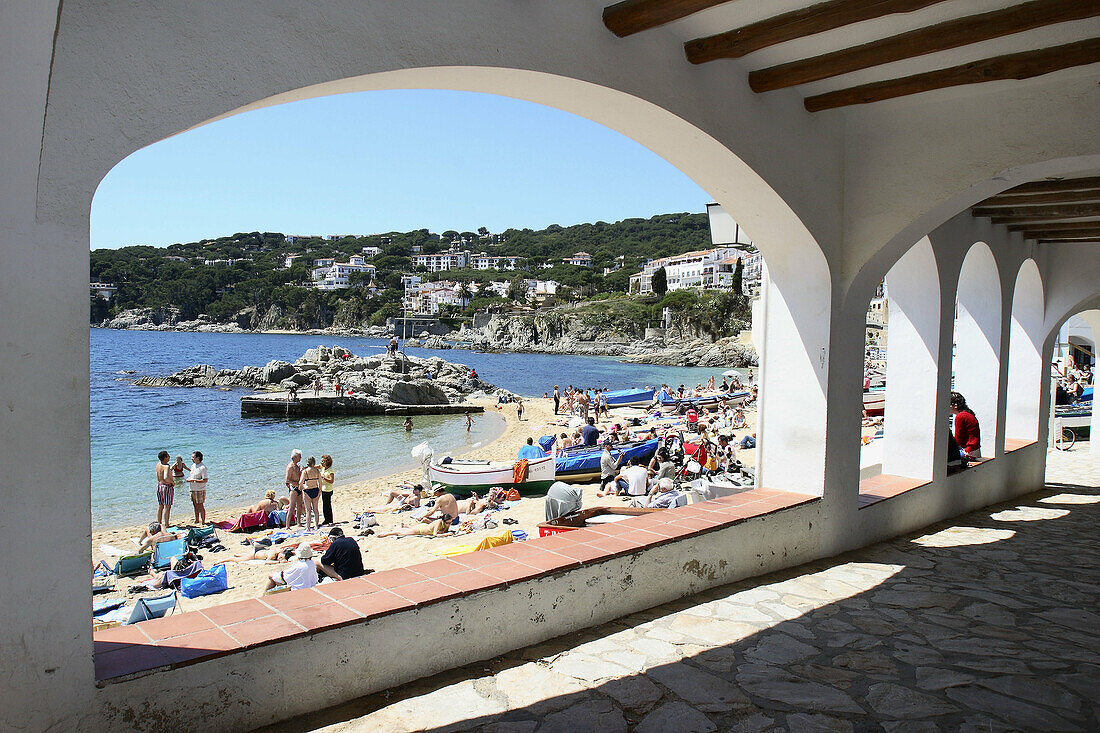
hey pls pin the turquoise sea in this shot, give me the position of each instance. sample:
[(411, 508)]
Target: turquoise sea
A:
[(246, 456)]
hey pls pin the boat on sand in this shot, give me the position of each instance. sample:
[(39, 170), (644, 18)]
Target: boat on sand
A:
[(461, 476)]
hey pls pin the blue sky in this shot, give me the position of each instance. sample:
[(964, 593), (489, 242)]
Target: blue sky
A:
[(384, 161)]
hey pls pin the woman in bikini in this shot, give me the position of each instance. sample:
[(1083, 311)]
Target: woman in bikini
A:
[(311, 486), (428, 530)]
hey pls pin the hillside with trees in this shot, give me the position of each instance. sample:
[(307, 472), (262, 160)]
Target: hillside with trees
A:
[(255, 288)]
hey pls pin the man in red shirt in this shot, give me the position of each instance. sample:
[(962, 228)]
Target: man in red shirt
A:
[(967, 434)]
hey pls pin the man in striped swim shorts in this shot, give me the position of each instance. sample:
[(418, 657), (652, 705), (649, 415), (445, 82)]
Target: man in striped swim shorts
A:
[(165, 489)]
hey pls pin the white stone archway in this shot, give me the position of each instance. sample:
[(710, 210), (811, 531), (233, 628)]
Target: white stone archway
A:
[(977, 358), (1025, 357)]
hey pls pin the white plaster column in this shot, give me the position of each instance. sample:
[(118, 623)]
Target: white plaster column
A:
[(912, 357), (45, 595), (793, 369), (1025, 359), (978, 341)]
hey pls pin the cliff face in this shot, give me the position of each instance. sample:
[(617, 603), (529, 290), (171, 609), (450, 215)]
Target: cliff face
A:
[(556, 332)]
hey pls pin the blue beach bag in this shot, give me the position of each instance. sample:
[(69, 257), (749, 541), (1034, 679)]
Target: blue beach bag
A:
[(206, 583)]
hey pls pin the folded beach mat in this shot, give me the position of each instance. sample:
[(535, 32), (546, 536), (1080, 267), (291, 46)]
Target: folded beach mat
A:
[(546, 442), (163, 552), (214, 580), (132, 564)]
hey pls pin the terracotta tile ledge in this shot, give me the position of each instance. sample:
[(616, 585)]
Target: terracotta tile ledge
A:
[(188, 638), (886, 486)]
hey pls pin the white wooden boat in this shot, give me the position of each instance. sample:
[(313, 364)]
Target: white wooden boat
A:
[(463, 476)]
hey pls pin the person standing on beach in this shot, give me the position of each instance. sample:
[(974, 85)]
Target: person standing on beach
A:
[(328, 476), (310, 485), (519, 408), (165, 488), (469, 421), (293, 478), (557, 399), (198, 480), (179, 470)]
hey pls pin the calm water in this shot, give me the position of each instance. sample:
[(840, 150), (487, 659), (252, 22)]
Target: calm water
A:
[(130, 425)]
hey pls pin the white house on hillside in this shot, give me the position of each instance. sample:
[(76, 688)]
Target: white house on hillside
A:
[(484, 261), (334, 275), (443, 261), (580, 259)]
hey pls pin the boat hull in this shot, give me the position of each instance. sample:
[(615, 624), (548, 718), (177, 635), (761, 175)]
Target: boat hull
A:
[(463, 477), (584, 466), (630, 398), (874, 402)]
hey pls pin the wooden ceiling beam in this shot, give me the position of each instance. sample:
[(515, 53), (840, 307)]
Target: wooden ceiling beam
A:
[(634, 16), (1061, 184), (1056, 226), (1013, 66), (1038, 213), (940, 37), (795, 24), (1082, 234), (1032, 199), (1087, 240)]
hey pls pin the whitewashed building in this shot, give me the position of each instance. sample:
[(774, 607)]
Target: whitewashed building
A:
[(443, 261), (580, 259), (372, 251), (701, 269), (104, 290), (337, 275), (426, 298), (485, 261)]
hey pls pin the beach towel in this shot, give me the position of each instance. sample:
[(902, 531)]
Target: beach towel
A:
[(276, 518), (243, 522), (111, 550), (174, 576), (492, 541), (519, 471), (163, 552), (106, 606), (132, 564)]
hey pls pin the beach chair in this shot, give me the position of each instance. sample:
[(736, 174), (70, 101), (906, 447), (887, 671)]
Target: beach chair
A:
[(132, 564), (150, 608), (163, 552)]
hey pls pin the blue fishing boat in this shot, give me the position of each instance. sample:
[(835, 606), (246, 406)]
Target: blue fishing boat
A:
[(630, 398), (581, 464), (709, 401)]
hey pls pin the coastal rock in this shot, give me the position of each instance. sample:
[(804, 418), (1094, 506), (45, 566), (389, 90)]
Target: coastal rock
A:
[(402, 380), (276, 371)]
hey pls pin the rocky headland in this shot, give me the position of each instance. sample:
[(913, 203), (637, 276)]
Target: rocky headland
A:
[(389, 381), (543, 332)]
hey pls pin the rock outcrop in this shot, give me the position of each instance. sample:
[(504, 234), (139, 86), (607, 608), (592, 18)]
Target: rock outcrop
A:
[(725, 353), (397, 380)]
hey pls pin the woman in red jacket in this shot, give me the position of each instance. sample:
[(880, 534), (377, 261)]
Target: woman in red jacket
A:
[(967, 434)]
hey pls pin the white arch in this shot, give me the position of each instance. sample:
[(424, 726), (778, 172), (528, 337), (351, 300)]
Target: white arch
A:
[(912, 359), (978, 339), (1025, 355), (797, 299)]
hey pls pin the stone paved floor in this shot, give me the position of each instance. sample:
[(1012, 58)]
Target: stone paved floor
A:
[(985, 623)]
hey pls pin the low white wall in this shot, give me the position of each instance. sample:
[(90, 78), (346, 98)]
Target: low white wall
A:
[(261, 686)]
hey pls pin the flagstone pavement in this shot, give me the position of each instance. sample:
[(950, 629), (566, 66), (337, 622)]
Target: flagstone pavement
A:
[(988, 622)]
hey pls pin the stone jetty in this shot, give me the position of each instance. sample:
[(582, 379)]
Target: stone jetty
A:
[(379, 384)]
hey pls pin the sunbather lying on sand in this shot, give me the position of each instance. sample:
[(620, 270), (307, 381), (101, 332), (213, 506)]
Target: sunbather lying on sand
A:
[(282, 553), (405, 498), (428, 530), (492, 500)]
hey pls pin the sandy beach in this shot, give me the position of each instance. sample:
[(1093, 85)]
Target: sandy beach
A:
[(247, 580)]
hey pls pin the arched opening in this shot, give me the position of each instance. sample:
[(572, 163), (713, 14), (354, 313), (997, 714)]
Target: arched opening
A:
[(977, 342), (1025, 358), (1073, 382), (900, 378)]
